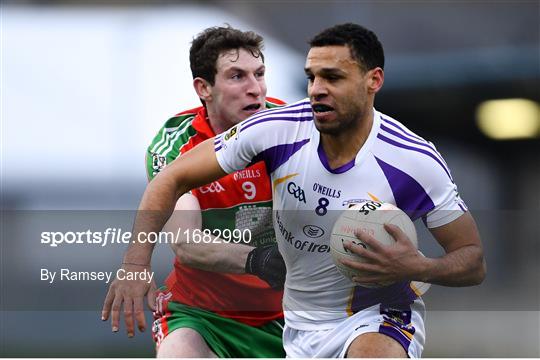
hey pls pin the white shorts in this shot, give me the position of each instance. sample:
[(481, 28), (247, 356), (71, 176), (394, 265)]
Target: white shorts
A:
[(404, 326)]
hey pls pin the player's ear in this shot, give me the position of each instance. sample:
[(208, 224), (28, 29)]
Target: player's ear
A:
[(375, 80), (202, 88)]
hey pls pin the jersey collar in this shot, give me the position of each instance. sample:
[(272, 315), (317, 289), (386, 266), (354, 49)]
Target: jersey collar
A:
[(202, 125), (364, 150)]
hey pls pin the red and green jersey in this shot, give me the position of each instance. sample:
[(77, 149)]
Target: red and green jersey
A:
[(241, 200)]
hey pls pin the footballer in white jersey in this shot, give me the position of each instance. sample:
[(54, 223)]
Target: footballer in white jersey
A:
[(394, 165)]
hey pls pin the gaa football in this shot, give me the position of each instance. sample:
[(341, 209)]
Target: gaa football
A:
[(368, 216)]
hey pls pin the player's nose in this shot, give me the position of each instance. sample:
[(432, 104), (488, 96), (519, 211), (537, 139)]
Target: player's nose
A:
[(317, 89), (254, 86)]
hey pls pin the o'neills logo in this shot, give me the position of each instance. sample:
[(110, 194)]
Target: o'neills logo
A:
[(214, 187), (247, 174), (327, 191)]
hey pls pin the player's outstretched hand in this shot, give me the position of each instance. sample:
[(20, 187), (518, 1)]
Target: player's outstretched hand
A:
[(266, 262), (386, 264), (129, 296)]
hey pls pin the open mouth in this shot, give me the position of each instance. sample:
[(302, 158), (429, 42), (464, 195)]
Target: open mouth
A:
[(321, 108), (252, 107)]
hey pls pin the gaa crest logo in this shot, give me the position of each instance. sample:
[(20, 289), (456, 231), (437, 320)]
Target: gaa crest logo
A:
[(296, 191), (214, 187), (158, 162)]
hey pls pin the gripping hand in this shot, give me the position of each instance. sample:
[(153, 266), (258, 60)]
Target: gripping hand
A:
[(266, 262)]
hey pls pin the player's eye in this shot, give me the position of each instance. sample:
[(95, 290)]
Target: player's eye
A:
[(259, 74), (236, 76), (333, 77)]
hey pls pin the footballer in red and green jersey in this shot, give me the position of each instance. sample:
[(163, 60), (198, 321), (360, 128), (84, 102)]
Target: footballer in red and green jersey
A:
[(241, 200)]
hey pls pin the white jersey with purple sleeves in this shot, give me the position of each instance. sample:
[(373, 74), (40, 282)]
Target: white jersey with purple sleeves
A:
[(394, 165)]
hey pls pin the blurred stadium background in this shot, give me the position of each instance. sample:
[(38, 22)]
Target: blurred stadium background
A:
[(86, 84)]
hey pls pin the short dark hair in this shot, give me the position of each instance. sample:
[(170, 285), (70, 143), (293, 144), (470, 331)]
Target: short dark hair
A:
[(209, 44), (363, 43)]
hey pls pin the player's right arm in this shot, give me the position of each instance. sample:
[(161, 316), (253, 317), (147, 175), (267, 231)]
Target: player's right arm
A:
[(157, 204), (130, 294), (210, 255), (217, 255), (195, 168)]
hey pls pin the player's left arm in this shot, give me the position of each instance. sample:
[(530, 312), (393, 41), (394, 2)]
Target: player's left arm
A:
[(453, 228), (463, 264)]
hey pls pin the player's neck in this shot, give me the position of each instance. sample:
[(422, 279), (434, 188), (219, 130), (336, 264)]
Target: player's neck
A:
[(218, 125), (341, 148)]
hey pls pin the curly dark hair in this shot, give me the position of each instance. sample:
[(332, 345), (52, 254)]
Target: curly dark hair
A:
[(363, 43), (209, 44)]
